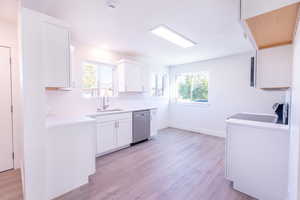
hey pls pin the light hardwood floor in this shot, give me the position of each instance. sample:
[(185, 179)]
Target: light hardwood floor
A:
[(176, 165), (11, 185)]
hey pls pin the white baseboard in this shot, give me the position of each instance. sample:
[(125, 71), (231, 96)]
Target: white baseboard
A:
[(202, 131)]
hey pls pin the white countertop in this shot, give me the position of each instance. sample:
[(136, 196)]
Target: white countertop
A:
[(56, 120), (123, 110), (258, 124)]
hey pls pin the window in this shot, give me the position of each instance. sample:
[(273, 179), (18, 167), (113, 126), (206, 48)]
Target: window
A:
[(158, 84), (97, 79), (192, 87)]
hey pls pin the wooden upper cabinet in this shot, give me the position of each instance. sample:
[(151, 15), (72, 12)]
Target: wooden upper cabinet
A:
[(252, 8), (270, 23)]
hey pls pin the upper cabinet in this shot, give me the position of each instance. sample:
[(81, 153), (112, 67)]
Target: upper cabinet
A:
[(56, 55), (270, 26), (270, 23), (274, 67), (252, 8), (130, 76)]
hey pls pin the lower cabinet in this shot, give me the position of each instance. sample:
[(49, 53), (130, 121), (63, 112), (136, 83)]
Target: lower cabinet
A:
[(106, 136), (153, 126), (124, 132), (113, 132)]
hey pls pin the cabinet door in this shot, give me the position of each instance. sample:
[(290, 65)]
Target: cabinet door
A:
[(274, 67), (134, 78), (153, 122), (124, 133), (56, 55), (106, 136)]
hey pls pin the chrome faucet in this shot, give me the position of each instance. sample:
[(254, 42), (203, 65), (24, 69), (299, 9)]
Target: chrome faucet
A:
[(104, 104)]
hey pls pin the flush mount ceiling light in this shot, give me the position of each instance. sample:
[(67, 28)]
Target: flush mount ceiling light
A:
[(170, 35)]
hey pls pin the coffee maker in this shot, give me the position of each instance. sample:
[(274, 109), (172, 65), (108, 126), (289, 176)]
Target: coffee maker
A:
[(282, 111)]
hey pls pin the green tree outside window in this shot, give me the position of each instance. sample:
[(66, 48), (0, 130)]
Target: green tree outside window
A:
[(192, 87)]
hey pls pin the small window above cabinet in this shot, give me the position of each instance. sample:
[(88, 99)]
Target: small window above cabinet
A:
[(56, 55), (98, 79), (158, 84), (130, 76), (274, 67)]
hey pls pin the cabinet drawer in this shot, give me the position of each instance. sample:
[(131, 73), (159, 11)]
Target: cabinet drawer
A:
[(113, 117)]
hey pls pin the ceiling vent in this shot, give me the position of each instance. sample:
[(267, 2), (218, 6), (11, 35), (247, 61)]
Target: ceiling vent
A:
[(112, 3)]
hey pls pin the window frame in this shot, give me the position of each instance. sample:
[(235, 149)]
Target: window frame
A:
[(159, 78), (191, 103), (114, 77)]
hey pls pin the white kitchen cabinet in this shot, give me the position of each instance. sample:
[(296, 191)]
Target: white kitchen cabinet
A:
[(113, 132), (124, 132), (274, 67), (56, 55), (251, 8), (130, 76), (106, 136), (154, 122), (257, 158), (70, 155)]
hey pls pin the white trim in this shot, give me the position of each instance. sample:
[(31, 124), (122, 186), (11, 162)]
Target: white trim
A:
[(175, 87), (200, 104), (220, 134)]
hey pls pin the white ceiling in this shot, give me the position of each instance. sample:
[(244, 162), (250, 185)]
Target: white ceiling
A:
[(212, 24), (8, 10)]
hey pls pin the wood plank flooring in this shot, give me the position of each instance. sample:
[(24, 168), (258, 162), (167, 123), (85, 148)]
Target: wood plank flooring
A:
[(11, 185), (176, 165)]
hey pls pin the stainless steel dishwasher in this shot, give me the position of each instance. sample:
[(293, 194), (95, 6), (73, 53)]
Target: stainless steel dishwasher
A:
[(141, 125)]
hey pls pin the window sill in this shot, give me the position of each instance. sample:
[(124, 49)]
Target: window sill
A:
[(200, 104)]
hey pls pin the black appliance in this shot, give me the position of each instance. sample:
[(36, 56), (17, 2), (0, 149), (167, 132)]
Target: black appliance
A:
[(282, 111), (252, 72)]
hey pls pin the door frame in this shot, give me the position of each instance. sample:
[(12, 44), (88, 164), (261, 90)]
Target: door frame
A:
[(11, 103)]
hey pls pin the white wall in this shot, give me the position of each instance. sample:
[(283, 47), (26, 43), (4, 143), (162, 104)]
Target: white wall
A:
[(229, 93), (8, 37), (77, 105), (294, 164), (34, 106)]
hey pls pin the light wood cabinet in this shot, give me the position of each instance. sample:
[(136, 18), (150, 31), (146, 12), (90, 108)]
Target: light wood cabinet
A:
[(252, 8), (113, 132), (56, 55), (269, 23), (130, 76), (274, 67)]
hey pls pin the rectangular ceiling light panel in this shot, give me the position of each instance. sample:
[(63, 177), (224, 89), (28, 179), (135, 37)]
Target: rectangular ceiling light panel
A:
[(170, 35)]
